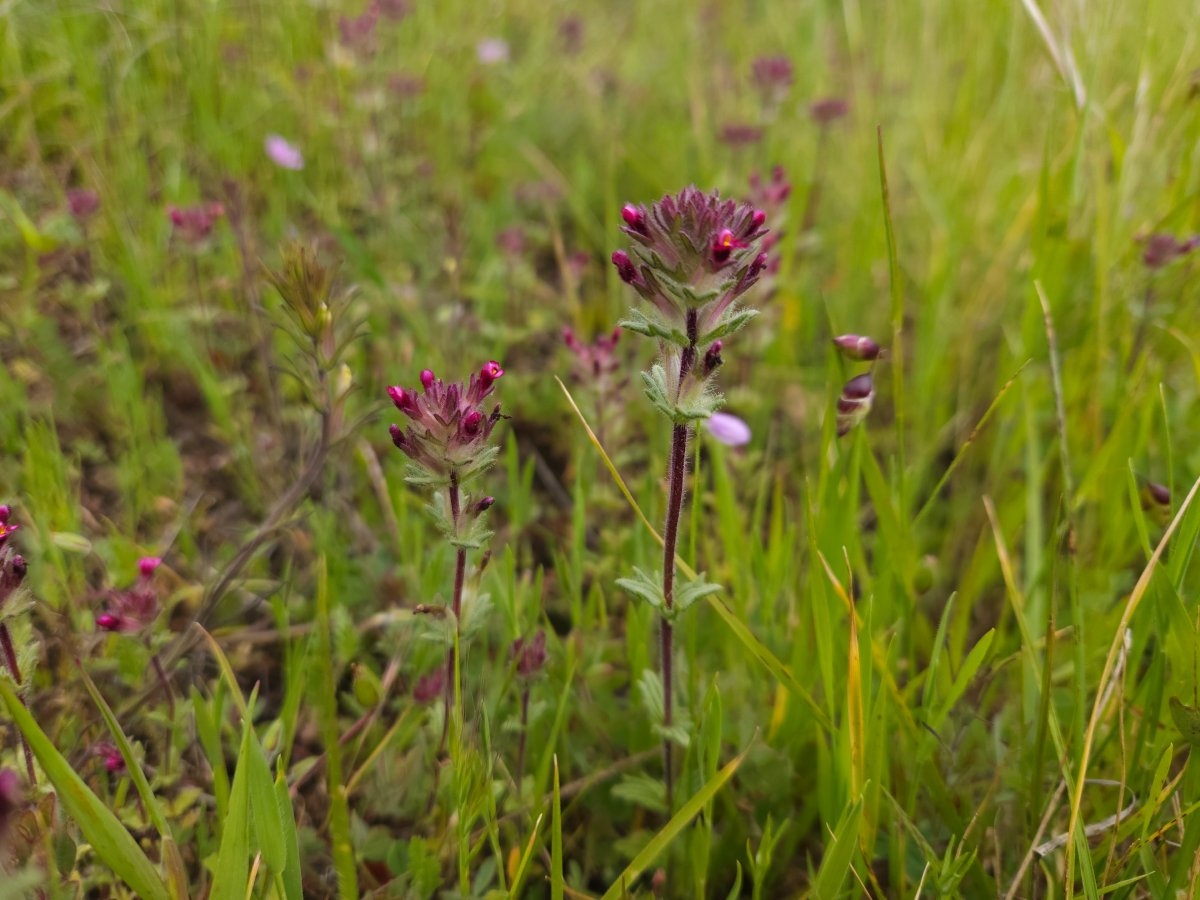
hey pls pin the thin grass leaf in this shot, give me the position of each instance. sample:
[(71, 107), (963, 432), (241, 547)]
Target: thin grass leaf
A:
[(101, 828), (232, 870), (523, 865), (556, 839), (293, 887), (835, 864)]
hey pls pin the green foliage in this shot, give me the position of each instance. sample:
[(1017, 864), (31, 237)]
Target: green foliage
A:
[(939, 635)]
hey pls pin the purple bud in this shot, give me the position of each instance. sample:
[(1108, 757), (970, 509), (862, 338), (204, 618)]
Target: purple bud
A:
[(856, 346), (5, 512), (712, 358), (108, 622), (625, 267), (859, 388), (405, 401), (472, 422), (429, 687), (147, 565), (427, 379), (634, 218), (398, 437), (484, 505), (82, 203), (530, 655), (757, 220), (1158, 493), (570, 340), (489, 373)]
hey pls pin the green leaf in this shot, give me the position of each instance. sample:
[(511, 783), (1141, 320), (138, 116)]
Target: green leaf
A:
[(1187, 720), (232, 870), (690, 591), (642, 790), (736, 891), (836, 863), (645, 587), (963, 679), (556, 840), (653, 326), (523, 866), (100, 826), (293, 888), (732, 320), (264, 808), (672, 829)]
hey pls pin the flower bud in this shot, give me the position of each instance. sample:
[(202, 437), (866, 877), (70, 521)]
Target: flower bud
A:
[(405, 401), (489, 373), (108, 622), (728, 429), (427, 379), (854, 403), (634, 218), (147, 565), (712, 359), (472, 422), (625, 267), (484, 504), (856, 346), (758, 220)]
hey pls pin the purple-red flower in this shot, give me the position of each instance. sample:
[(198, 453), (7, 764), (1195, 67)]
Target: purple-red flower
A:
[(530, 655), (449, 432), (596, 359), (828, 110), (193, 224), (430, 686), (692, 250), (772, 74), (132, 610), (1162, 249), (114, 762), (82, 203), (12, 564)]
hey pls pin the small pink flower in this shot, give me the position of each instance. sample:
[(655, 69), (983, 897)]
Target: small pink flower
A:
[(492, 51), (728, 429), (283, 154)]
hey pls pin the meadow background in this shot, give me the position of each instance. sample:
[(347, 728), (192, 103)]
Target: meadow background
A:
[(942, 640)]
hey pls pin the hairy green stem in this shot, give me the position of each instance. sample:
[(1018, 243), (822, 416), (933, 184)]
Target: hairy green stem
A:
[(10, 661)]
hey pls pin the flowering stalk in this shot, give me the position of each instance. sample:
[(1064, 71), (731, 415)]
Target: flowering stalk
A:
[(692, 257), (530, 657), (448, 442)]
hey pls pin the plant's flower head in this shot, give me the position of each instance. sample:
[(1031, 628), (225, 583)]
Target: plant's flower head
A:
[(772, 74), (193, 224), (858, 347), (530, 655), (738, 134), (596, 359), (828, 110), (728, 429), (771, 197), (570, 33), (134, 609), (357, 33), (511, 241), (7, 528), (450, 429), (282, 153), (692, 250), (1163, 249), (82, 203), (430, 686), (855, 402), (114, 762)]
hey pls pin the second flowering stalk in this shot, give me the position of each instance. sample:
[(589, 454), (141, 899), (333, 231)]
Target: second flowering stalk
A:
[(448, 440), (692, 256)]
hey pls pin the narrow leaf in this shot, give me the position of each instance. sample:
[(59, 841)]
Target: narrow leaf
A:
[(100, 826)]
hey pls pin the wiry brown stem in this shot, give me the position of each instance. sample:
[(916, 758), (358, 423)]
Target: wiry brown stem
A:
[(676, 473)]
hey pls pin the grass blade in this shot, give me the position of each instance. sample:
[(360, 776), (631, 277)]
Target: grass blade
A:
[(556, 849), (836, 863), (102, 829), (232, 871)]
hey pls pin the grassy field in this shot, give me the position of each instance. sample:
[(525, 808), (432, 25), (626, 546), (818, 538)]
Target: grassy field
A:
[(955, 652)]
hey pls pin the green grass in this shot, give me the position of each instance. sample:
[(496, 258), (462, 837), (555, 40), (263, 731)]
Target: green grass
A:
[(917, 673)]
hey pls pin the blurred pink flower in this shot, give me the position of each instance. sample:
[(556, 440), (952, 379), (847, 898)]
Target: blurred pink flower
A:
[(282, 153), (491, 51), (728, 429)]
